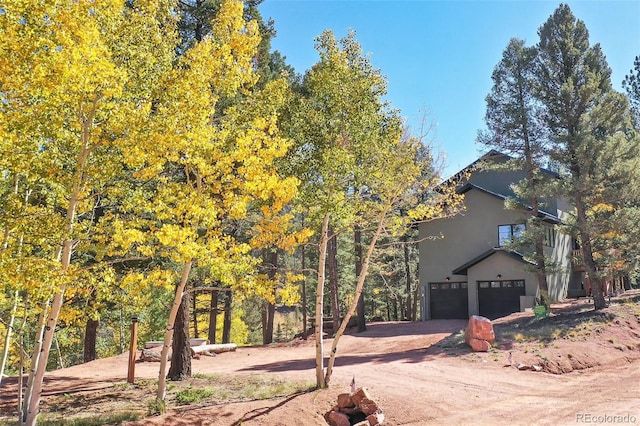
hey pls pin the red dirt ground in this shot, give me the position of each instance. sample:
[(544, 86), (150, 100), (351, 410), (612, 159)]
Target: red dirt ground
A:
[(419, 374)]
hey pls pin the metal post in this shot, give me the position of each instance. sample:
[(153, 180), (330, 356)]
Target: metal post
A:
[(132, 349)]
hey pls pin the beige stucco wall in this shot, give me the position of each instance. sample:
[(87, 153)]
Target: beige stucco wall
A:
[(463, 237), (507, 267), (447, 244)]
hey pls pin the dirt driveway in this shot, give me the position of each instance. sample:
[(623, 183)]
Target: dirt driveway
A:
[(414, 382)]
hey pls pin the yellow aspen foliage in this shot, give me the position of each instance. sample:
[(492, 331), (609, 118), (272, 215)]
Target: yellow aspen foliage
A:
[(75, 84)]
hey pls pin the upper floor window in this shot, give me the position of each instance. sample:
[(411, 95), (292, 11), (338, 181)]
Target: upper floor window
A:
[(507, 233), (549, 236)]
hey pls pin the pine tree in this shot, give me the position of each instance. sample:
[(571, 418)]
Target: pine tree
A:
[(583, 115), (514, 128), (631, 84)]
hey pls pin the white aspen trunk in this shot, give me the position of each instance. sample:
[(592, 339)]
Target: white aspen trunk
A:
[(162, 376), (20, 378), (34, 361), (41, 366), (320, 382), (66, 250), (5, 351), (21, 369), (58, 352), (354, 303), (5, 245)]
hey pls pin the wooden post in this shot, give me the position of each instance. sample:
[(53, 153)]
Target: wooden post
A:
[(133, 349)]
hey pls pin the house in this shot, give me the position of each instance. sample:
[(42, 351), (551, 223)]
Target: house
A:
[(464, 267)]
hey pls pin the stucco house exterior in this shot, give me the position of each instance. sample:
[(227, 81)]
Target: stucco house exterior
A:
[(466, 270)]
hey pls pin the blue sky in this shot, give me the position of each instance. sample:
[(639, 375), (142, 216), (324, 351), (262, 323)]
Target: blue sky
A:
[(438, 56)]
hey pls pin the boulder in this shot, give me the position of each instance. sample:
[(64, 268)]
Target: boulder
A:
[(368, 407), (478, 345), (376, 419), (337, 418), (480, 328), (345, 401), (359, 395)]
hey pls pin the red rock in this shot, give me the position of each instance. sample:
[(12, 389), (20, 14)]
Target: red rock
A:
[(359, 395), (345, 401), (479, 345), (337, 418), (376, 419), (349, 411), (367, 406), (480, 328)]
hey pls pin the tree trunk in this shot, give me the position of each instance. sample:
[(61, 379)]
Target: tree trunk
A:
[(352, 308), (304, 294), (41, 352), (39, 362), (180, 368), (407, 271), (332, 262), (213, 317), (395, 308), (587, 253), (162, 379), (269, 310), (541, 266), (271, 313), (194, 311), (90, 335), (34, 362), (416, 294), (388, 306), (357, 238), (7, 340), (626, 281), (216, 349), (264, 319), (322, 257), (226, 325)]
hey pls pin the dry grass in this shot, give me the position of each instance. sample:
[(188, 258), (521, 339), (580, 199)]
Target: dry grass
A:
[(127, 402)]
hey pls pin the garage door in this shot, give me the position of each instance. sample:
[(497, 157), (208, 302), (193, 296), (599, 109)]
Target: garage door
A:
[(449, 300), (499, 298)]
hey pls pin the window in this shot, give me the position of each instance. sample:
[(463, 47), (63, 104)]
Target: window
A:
[(501, 284), (507, 233), (448, 285), (549, 236)]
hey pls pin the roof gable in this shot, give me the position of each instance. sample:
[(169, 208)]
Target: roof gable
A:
[(463, 269), (498, 183)]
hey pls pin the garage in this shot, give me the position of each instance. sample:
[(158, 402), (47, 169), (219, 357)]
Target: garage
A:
[(499, 298), (449, 300)]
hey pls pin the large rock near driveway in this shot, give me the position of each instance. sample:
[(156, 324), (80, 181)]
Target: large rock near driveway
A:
[(479, 333)]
